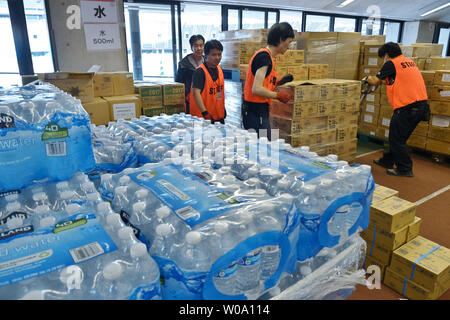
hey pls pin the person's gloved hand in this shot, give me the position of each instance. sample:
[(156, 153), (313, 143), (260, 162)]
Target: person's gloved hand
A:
[(283, 96), (206, 115), (364, 80), (287, 78)]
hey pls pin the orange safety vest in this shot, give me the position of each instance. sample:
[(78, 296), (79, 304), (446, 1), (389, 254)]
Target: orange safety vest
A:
[(408, 86), (213, 96), (269, 82)]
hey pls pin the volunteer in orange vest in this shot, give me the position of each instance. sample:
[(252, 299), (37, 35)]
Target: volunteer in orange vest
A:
[(262, 79), (408, 97), (207, 96)]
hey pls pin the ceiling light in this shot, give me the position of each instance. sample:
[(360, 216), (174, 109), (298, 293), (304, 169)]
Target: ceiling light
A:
[(436, 9), (344, 3)]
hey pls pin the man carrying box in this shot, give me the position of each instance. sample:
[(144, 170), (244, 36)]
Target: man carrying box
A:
[(262, 79), (407, 95), (207, 96)]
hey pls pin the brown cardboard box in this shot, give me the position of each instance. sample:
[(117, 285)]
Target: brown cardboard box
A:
[(343, 147), (370, 107), (410, 289), (350, 158), (313, 138), (103, 85), (414, 229), (123, 83), (382, 193), (389, 240), (442, 77), (421, 51), (243, 68), (369, 118), (373, 61), (327, 107), (152, 111), (371, 49), (98, 111), (173, 94), (78, 84), (150, 94), (437, 63), (290, 126), (386, 110), (424, 262), (379, 252), (342, 120), (169, 110), (392, 213), (373, 98), (290, 58), (347, 133), (302, 90), (440, 107), (407, 51), (243, 34), (124, 107), (367, 129), (440, 121), (421, 63), (438, 146), (368, 71), (382, 132), (437, 133), (417, 141), (428, 77), (421, 129), (384, 121), (372, 261), (441, 93), (294, 110), (432, 49), (350, 105), (299, 72), (317, 71)]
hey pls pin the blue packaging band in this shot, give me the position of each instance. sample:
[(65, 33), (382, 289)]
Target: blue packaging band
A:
[(373, 240), (404, 286), (422, 257)]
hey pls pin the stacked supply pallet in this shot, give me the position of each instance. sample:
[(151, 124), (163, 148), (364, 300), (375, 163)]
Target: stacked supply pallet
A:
[(339, 50), (425, 55), (392, 224), (368, 58), (322, 114)]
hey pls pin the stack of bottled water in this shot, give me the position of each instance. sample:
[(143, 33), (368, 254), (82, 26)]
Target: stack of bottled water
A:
[(44, 134), (62, 241)]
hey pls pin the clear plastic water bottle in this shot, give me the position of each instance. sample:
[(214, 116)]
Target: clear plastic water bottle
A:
[(111, 284), (162, 244), (249, 272), (43, 217), (194, 256), (127, 239), (270, 259)]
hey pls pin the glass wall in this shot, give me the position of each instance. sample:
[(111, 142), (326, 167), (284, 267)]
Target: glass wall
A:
[(9, 69), (199, 19), (444, 38), (391, 30), (344, 24), (233, 19), (370, 27), (317, 23), (272, 19), (252, 19), (294, 18)]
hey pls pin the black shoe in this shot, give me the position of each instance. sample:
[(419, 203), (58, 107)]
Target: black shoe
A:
[(381, 163), (395, 172)]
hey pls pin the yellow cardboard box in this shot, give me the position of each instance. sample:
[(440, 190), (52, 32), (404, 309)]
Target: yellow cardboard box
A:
[(342, 147), (365, 70), (173, 94), (314, 137), (124, 107), (317, 71), (417, 141), (342, 120), (290, 58), (123, 83), (421, 129), (367, 129), (437, 63), (152, 111), (374, 97), (371, 49), (150, 93), (299, 72), (294, 110), (169, 110), (438, 146), (373, 61), (346, 133), (440, 92), (428, 77), (389, 240), (302, 90), (372, 261), (369, 118), (382, 132), (440, 121), (441, 77), (290, 126), (78, 84), (370, 107), (392, 214), (98, 110), (437, 133), (379, 252), (414, 229), (440, 107), (424, 262), (381, 193), (103, 85)]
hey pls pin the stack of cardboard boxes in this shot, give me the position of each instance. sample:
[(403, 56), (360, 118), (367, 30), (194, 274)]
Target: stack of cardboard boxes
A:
[(160, 97), (322, 114), (339, 50), (392, 224), (426, 55), (369, 62)]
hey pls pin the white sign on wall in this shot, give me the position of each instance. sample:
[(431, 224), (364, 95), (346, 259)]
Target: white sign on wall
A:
[(100, 24)]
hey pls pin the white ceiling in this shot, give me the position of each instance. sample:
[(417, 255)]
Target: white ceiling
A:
[(407, 10)]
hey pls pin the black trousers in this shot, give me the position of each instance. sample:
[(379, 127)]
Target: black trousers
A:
[(403, 122), (257, 118)]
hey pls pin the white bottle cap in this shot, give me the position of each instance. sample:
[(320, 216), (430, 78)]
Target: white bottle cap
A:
[(193, 237), (33, 295), (138, 250), (43, 209), (112, 271), (309, 188), (114, 219), (229, 178), (139, 206), (93, 196), (126, 233), (163, 212), (87, 186), (163, 229), (124, 180), (62, 185), (221, 227), (40, 196), (120, 190), (106, 177), (47, 221), (103, 207), (73, 208), (142, 193), (68, 194)]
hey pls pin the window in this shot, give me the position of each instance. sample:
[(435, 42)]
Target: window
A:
[(233, 19), (391, 30), (344, 24), (444, 39), (199, 19), (370, 27), (294, 18), (9, 68), (38, 36), (252, 19), (272, 19), (317, 23)]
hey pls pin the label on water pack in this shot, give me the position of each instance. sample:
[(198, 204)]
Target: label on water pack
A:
[(187, 194), (294, 164), (72, 240)]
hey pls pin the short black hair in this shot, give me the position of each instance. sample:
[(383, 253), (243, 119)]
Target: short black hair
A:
[(212, 44), (194, 38), (391, 48), (279, 32)]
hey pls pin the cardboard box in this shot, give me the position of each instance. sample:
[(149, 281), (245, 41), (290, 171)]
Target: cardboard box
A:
[(366, 70), (382, 193), (437, 63), (343, 147), (432, 49), (373, 98), (150, 94), (123, 83), (347, 133), (373, 61), (384, 121), (410, 289), (441, 77), (169, 110), (290, 126), (417, 141), (329, 107), (389, 240), (78, 84), (440, 92), (437, 133), (440, 107), (428, 77), (290, 58), (350, 105), (414, 229), (98, 110), (421, 129), (299, 72), (370, 107), (379, 252), (173, 94), (103, 85), (369, 118), (124, 107), (382, 132), (302, 90), (392, 214), (152, 111), (313, 138), (438, 146), (367, 129), (294, 110), (342, 120), (317, 71), (372, 261), (371, 49), (424, 262), (440, 121)]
